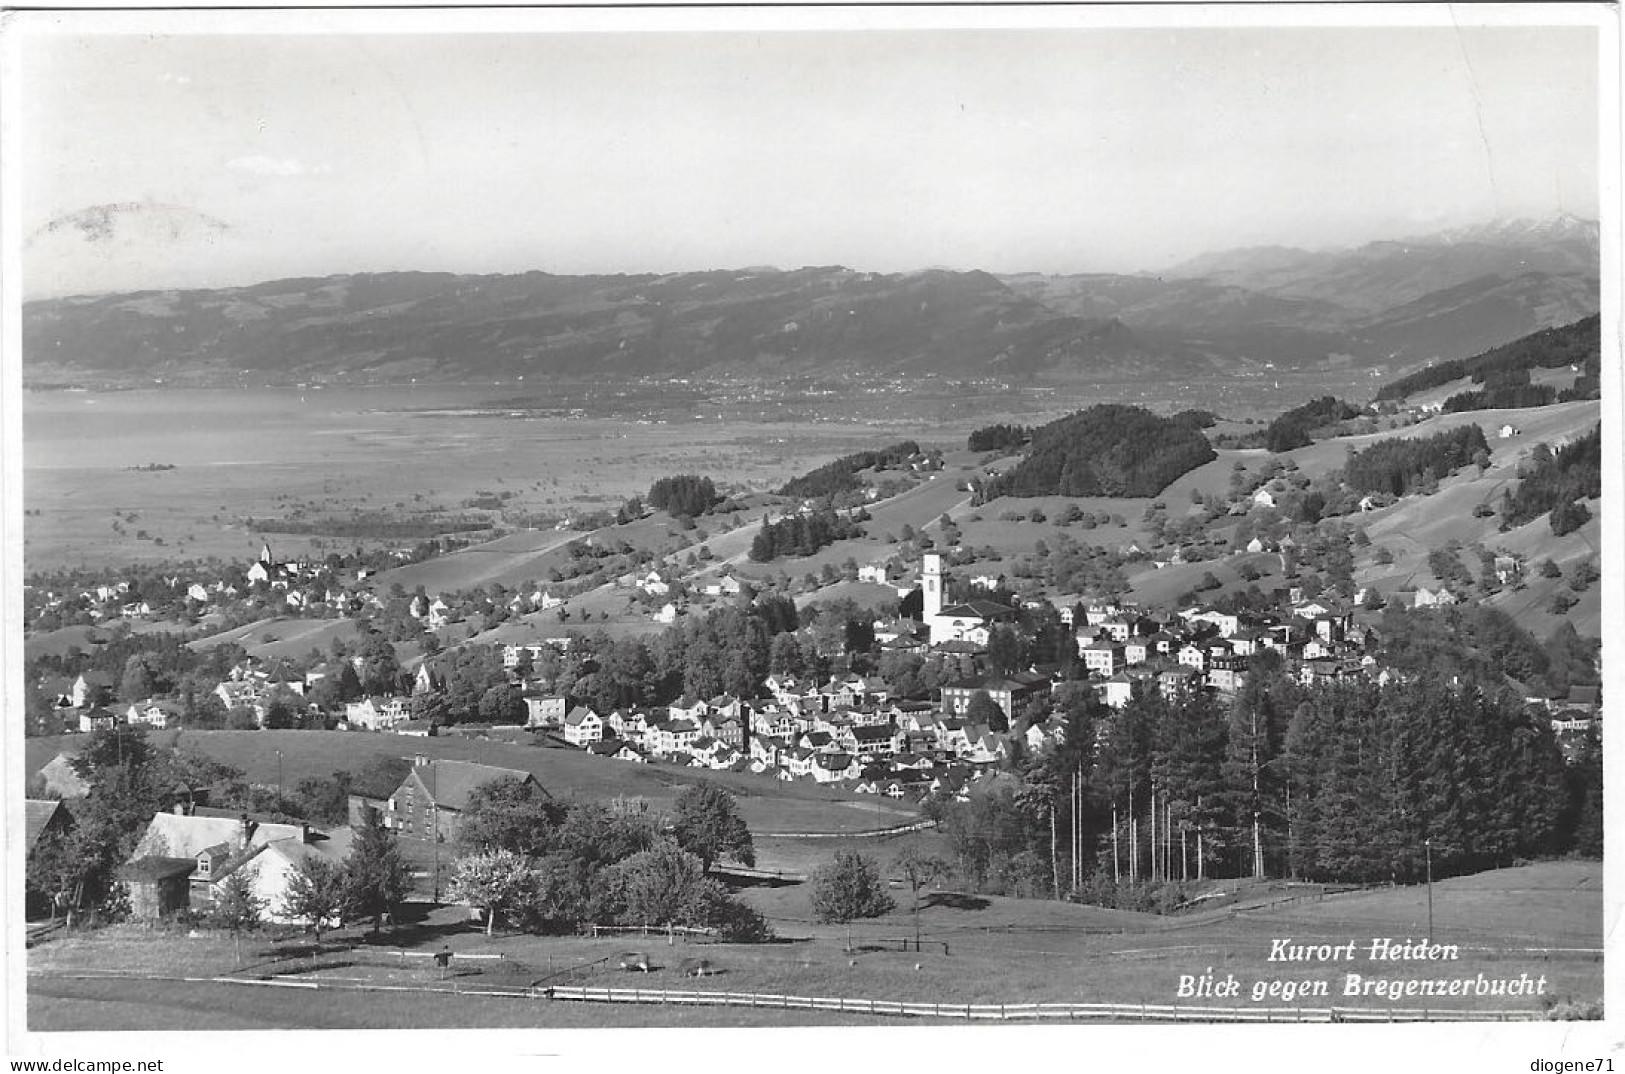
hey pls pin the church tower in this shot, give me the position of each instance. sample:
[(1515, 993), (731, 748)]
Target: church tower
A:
[(931, 585)]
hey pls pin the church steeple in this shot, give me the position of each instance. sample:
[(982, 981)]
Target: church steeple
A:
[(931, 584)]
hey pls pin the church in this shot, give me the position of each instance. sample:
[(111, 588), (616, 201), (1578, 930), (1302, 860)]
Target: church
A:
[(970, 621)]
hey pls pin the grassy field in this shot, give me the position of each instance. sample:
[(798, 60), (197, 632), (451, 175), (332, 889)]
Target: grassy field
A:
[(978, 950), (767, 805)]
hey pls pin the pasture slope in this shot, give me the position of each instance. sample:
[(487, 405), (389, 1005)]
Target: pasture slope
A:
[(1407, 530), (767, 805), (1541, 923)]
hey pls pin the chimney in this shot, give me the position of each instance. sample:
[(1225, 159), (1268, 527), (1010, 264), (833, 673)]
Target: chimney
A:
[(420, 760), (248, 828), (304, 831)]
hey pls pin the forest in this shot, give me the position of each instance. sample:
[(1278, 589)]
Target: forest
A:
[(802, 535), (841, 475), (1000, 437), (1107, 450), (1557, 482), (1348, 782), (1403, 465), (684, 494), (1504, 389), (1294, 428), (1578, 344)]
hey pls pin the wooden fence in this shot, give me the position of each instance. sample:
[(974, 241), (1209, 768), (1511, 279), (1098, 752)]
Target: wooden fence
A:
[(1009, 1012), (668, 931), (867, 833)]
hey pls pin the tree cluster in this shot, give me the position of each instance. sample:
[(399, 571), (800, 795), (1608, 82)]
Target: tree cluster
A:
[(801, 535), (1294, 429), (1502, 397), (1107, 450), (1556, 482), (1000, 437), (684, 494), (1578, 344), (840, 476), (1402, 465), (1340, 782), (548, 867)]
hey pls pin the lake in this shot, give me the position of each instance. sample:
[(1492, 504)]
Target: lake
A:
[(274, 452)]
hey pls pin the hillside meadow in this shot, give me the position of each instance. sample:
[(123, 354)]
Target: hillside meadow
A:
[(977, 949), (767, 805)]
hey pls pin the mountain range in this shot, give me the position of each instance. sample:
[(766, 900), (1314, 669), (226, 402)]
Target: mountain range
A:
[(1391, 303)]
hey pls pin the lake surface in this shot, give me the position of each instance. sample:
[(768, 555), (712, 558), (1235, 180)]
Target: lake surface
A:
[(269, 452)]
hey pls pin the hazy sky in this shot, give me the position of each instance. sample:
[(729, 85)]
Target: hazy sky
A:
[(234, 157)]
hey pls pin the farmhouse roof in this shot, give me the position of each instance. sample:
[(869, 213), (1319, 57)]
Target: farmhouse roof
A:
[(60, 775), (37, 815), (157, 867), (170, 833), (451, 782)]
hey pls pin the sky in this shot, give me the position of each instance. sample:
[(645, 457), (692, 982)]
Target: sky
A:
[(202, 158)]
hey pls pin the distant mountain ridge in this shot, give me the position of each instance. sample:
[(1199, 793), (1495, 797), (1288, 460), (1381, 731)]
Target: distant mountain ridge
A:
[(1445, 297)]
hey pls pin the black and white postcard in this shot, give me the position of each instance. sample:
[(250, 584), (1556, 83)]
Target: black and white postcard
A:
[(572, 536)]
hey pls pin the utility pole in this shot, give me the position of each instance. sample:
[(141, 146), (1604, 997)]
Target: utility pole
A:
[(1258, 849), (1156, 848), (279, 780), (1427, 849), (1116, 868)]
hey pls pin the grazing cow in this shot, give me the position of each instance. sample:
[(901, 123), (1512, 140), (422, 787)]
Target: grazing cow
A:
[(696, 967), (635, 960)]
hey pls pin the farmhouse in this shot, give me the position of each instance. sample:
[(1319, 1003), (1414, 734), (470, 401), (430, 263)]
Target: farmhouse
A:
[(376, 713), (97, 719), (151, 713), (181, 860), (60, 779), (43, 816), (91, 688), (431, 800)]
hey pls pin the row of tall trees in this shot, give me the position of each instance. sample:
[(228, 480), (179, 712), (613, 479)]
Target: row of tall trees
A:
[(801, 535), (1345, 782)]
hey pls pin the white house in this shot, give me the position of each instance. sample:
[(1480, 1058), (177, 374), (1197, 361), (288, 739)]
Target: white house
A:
[(877, 573), (376, 713), (544, 711), (582, 726)]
